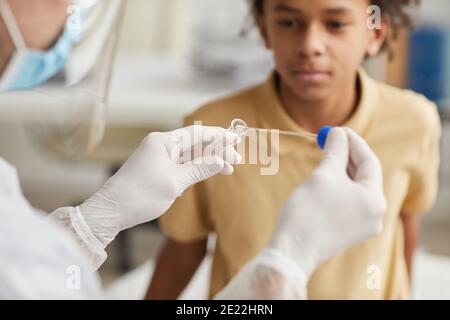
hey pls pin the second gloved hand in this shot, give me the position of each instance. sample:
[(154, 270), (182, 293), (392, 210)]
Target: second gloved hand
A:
[(340, 205), (159, 171)]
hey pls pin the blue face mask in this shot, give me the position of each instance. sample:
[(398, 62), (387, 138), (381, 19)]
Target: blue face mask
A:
[(29, 68)]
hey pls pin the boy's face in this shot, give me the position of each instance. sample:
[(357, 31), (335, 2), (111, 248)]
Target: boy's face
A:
[(319, 44)]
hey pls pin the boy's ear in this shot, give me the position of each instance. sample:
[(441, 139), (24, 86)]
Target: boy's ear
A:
[(378, 36), (261, 22)]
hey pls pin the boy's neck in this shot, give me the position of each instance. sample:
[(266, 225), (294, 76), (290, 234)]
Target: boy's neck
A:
[(333, 111)]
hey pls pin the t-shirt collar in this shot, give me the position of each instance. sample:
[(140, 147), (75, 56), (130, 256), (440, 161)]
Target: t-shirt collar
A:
[(272, 115)]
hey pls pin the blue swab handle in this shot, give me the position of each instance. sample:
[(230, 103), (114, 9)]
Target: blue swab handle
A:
[(322, 136)]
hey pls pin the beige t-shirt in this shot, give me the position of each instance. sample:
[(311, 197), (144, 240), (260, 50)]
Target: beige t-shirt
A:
[(402, 127)]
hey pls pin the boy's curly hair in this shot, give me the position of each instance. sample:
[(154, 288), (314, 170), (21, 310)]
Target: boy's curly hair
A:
[(396, 10)]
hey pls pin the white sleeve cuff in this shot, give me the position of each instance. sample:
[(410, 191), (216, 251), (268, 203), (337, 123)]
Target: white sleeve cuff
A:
[(72, 220)]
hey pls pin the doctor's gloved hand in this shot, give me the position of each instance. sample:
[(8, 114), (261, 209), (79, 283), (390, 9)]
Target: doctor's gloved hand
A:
[(340, 205), (159, 171)]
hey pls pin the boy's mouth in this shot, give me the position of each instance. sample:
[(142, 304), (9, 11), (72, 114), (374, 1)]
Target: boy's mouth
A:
[(311, 76)]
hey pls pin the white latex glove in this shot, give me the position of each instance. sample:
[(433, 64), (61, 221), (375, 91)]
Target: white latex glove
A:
[(331, 212), (341, 204), (160, 170)]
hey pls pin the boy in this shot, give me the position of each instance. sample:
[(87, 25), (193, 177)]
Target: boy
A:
[(318, 47)]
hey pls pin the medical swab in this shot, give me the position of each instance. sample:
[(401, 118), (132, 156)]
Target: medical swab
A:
[(241, 128)]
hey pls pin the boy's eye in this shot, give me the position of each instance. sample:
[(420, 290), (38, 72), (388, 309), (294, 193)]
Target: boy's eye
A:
[(336, 25), (289, 24)]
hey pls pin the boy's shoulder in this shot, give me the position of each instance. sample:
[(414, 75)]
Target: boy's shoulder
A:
[(407, 105), (221, 111)]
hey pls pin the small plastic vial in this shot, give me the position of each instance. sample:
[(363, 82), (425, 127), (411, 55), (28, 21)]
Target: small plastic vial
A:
[(239, 127)]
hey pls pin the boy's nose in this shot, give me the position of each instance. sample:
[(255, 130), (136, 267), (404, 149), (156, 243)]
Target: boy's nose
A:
[(311, 43)]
